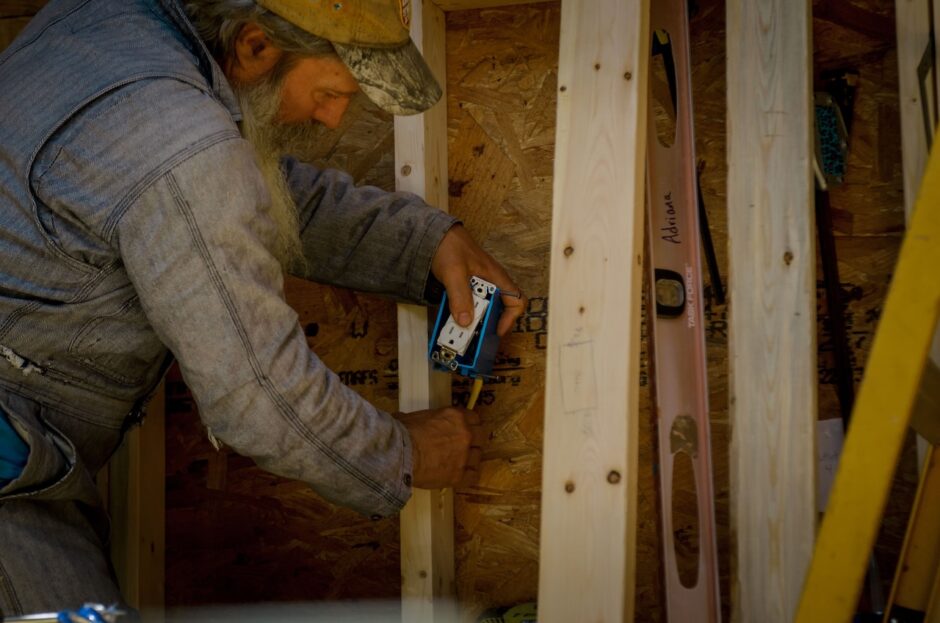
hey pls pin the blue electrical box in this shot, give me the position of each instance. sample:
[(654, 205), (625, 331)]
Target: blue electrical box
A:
[(469, 351)]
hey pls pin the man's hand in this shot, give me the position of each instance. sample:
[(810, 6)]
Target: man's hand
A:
[(445, 445), (457, 259)]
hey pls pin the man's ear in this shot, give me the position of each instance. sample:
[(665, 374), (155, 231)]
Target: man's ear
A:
[(254, 55)]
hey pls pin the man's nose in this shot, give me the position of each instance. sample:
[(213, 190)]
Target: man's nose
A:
[(331, 114)]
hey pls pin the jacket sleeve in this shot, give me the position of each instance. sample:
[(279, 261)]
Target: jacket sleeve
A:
[(195, 245), (363, 237)]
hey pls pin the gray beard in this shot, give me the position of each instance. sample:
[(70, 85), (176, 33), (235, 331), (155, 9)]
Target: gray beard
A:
[(271, 140)]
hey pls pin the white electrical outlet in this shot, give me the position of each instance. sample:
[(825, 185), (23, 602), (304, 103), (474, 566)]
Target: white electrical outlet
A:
[(456, 338)]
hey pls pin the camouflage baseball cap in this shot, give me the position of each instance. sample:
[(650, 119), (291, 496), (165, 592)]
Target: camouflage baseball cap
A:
[(371, 37)]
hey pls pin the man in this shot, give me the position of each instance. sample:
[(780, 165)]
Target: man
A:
[(147, 213)]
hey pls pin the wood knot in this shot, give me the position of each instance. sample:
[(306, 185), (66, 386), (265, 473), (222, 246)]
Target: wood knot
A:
[(569, 486), (568, 251), (613, 477), (787, 258)]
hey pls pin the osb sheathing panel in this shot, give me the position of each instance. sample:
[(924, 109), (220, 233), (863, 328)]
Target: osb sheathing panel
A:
[(236, 534), (501, 84)]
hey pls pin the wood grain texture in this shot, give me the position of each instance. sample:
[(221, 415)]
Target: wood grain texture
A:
[(772, 343), (137, 507), (913, 28), (427, 521), (502, 67), (589, 512)]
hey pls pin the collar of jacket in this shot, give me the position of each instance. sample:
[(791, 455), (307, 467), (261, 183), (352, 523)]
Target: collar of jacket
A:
[(207, 64)]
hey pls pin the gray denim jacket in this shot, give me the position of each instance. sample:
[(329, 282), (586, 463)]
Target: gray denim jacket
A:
[(131, 225)]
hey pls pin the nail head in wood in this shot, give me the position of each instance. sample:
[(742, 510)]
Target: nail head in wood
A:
[(569, 486), (568, 251), (613, 477)]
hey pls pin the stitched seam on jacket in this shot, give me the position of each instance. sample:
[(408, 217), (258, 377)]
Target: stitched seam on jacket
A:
[(56, 402), (134, 193), (283, 406), (414, 260), (101, 369), (52, 246)]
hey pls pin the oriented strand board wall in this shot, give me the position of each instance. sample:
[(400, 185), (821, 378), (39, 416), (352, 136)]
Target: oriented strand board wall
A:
[(235, 534), (501, 83)]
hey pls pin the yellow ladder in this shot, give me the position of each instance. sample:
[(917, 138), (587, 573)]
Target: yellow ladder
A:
[(883, 410)]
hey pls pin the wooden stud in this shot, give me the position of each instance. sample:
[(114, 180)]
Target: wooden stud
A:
[(137, 507), (589, 484), (427, 521), (772, 325), (912, 19), (880, 420)]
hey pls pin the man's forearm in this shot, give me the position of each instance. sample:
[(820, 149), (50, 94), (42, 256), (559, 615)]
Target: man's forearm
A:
[(363, 237)]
